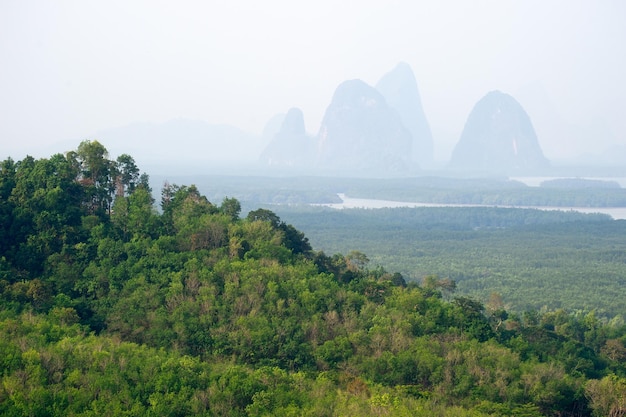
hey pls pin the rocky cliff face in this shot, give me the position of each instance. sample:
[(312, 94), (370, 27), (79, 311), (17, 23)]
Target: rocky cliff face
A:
[(400, 90), (360, 132), (290, 146), (498, 137)]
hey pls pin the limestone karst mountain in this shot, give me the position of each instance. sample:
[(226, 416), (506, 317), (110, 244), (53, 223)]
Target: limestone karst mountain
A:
[(290, 146), (399, 88), (272, 127), (498, 137), (360, 132)]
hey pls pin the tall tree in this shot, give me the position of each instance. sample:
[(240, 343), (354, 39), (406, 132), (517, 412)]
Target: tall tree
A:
[(97, 175), (127, 174), (231, 207)]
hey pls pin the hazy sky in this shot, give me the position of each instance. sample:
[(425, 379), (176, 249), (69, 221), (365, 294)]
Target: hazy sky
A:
[(71, 68)]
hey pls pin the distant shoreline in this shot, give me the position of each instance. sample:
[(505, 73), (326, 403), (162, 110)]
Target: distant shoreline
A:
[(617, 213), (536, 181)]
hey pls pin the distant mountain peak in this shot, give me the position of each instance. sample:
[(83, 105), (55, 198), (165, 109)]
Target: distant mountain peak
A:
[(293, 123), (498, 136), (400, 90), (361, 132), (290, 146)]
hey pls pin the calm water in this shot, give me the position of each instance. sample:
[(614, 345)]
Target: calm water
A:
[(618, 213)]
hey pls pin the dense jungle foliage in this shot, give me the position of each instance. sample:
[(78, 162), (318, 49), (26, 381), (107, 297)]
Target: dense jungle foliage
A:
[(112, 307), (534, 259)]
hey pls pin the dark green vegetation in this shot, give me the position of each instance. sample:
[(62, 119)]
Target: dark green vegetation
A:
[(489, 192), (427, 189), (110, 307), (536, 260)]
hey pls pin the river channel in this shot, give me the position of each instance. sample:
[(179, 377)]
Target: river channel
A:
[(617, 213)]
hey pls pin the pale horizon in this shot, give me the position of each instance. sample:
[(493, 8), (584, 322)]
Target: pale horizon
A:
[(73, 69)]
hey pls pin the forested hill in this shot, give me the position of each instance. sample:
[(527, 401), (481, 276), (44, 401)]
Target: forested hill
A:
[(112, 307), (535, 259)]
